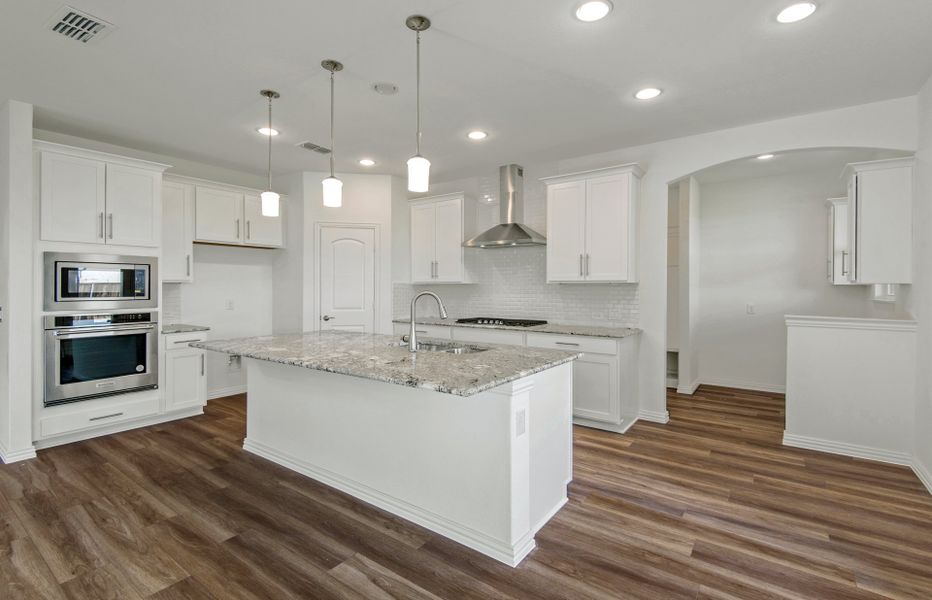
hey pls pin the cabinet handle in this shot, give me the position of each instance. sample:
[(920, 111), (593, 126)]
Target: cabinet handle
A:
[(119, 414), (110, 223), (237, 228), (844, 263), (248, 229), (102, 226), (566, 344), (187, 265), (580, 265), (587, 265), (202, 365), (185, 341)]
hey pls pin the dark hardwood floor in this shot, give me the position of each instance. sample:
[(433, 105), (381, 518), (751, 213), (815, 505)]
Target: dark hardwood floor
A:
[(710, 506)]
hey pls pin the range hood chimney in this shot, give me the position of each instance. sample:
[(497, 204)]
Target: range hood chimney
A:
[(510, 232)]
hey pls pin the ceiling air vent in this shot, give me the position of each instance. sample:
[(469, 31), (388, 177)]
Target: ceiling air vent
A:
[(314, 147), (78, 26)]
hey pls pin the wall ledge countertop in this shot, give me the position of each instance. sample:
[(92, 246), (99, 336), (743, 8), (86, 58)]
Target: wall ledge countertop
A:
[(169, 328), (379, 357), (554, 328)]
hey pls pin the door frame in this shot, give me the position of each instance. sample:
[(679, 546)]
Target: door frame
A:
[(376, 271)]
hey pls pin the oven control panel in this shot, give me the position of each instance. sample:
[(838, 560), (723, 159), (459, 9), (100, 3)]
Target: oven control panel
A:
[(69, 321)]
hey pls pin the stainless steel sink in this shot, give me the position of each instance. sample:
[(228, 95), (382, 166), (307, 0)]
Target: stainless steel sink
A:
[(448, 347)]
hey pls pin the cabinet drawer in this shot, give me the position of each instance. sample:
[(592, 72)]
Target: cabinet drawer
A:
[(488, 336), (98, 416), (174, 341), (573, 342), (433, 331)]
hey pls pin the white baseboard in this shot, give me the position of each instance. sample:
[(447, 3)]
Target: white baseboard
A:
[(7, 456), (654, 416), (687, 388), (923, 473), (78, 436), (625, 425), (845, 449), (744, 385), (233, 390), (511, 555)]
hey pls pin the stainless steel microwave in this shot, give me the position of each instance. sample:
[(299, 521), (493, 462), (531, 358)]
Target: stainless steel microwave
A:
[(100, 282)]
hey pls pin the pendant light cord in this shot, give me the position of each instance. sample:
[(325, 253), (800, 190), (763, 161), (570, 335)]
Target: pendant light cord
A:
[(331, 124), (418, 93), (270, 143)]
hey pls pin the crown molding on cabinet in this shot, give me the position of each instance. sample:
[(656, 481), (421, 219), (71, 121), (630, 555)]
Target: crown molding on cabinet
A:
[(114, 159), (616, 170)]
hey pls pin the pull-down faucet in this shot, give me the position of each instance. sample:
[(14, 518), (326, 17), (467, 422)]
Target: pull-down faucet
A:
[(412, 336)]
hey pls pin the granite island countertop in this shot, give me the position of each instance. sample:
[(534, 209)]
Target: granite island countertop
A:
[(182, 328), (379, 357), (555, 328)]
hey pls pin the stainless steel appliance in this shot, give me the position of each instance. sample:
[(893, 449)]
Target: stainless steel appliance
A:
[(100, 282), (501, 321), (510, 232), (87, 355)]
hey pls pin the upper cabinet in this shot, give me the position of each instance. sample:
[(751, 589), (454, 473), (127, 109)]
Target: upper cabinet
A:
[(838, 255), (880, 197), (233, 216), (437, 229), (97, 198), (592, 225), (177, 265)]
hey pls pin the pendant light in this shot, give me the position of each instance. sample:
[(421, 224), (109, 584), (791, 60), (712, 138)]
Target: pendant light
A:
[(270, 200), (333, 187), (418, 166)]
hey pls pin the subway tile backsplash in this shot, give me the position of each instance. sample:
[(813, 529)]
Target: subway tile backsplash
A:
[(511, 283)]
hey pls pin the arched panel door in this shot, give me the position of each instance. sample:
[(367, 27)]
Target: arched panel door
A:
[(347, 279)]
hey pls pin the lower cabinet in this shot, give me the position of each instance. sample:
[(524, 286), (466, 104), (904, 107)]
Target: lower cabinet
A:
[(185, 373)]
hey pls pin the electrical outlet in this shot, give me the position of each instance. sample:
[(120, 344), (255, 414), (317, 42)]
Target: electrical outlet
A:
[(750, 309)]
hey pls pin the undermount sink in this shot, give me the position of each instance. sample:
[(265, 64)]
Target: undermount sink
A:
[(448, 347)]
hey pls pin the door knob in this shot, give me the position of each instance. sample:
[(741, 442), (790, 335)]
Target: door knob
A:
[(327, 318)]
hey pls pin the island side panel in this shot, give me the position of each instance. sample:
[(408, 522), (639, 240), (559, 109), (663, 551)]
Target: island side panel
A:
[(551, 451), (452, 464)]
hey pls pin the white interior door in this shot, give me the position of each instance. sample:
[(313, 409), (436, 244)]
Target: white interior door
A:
[(347, 278)]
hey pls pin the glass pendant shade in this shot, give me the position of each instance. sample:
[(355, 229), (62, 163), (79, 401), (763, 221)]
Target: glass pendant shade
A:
[(333, 192), (270, 204), (418, 174)]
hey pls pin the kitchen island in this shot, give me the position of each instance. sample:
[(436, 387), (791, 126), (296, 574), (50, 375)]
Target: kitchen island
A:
[(476, 447)]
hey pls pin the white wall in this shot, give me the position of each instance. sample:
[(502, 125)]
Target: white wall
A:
[(17, 236), (764, 243), (922, 288)]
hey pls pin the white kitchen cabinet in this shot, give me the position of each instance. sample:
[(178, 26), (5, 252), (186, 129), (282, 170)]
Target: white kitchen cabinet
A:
[(592, 226), (437, 228), (98, 198), (185, 383), (177, 232), (261, 231), (838, 261), (880, 197), (218, 215)]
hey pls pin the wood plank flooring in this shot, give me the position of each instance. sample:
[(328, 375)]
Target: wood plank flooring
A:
[(710, 506)]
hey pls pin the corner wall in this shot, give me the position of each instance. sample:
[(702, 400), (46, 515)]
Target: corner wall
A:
[(922, 288)]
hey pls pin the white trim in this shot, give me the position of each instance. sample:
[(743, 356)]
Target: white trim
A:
[(851, 323), (616, 170), (198, 181), (845, 449), (501, 551), (118, 427), (550, 514), (429, 199), (116, 159), (924, 475), (654, 416), (745, 385), (672, 382), (688, 388), (232, 390), (377, 300), (874, 165), (8, 457), (622, 427)]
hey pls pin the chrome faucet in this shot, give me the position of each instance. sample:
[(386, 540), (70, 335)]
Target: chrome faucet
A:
[(412, 336)]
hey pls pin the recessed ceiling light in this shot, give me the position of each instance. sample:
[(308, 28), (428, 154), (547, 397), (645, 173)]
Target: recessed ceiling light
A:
[(366, 162), (648, 93), (593, 11), (796, 12), (477, 135), (765, 157), (267, 131)]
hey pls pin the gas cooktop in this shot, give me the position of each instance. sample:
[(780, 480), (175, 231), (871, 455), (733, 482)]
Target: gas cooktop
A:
[(504, 322)]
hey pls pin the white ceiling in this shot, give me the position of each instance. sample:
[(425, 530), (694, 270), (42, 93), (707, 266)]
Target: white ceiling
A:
[(181, 77)]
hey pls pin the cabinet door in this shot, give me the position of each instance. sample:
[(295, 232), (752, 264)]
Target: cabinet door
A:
[(218, 216), (177, 232), (134, 209), (608, 227), (185, 379), (595, 388), (448, 244), (884, 226), (423, 234), (839, 258), (72, 193), (261, 231), (566, 230)]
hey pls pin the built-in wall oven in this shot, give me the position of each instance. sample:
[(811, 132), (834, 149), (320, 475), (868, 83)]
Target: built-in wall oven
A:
[(100, 282), (92, 355)]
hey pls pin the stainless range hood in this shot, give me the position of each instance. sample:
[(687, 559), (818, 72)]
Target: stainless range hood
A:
[(510, 232)]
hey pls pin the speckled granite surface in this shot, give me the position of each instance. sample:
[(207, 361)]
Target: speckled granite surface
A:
[(556, 328), (378, 357), (182, 328)]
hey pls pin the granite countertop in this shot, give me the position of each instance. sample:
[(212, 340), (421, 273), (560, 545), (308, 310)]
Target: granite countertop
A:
[(556, 328), (379, 357), (182, 328)]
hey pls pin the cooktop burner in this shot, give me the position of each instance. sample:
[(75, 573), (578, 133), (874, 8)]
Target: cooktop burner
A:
[(505, 322)]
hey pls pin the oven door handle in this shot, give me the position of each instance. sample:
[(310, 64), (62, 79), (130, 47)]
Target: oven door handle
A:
[(72, 333)]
